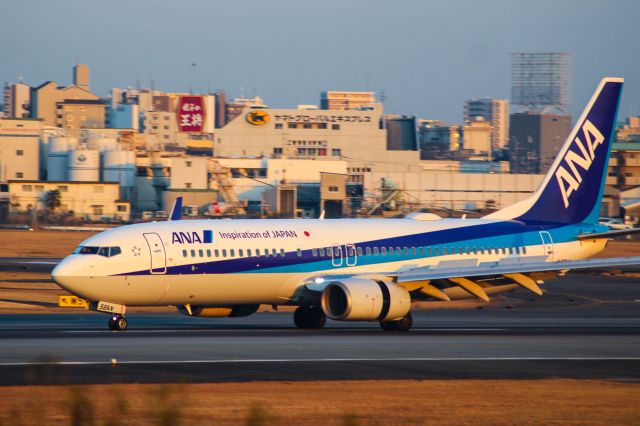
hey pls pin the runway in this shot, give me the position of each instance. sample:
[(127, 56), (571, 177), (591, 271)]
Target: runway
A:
[(584, 327)]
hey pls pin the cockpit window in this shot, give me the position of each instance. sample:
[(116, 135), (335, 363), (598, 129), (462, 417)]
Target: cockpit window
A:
[(86, 250), (102, 251)]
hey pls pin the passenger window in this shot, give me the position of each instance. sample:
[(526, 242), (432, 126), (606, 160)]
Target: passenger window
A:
[(274, 252), (314, 252), (184, 253), (201, 253), (232, 253), (444, 250), (359, 251), (481, 250), (368, 251), (413, 251), (436, 251), (390, 251), (321, 251), (375, 251), (193, 253), (115, 251), (383, 251), (249, 252), (504, 250), (208, 253), (216, 252), (510, 250), (475, 250), (240, 252), (428, 251), (224, 252), (299, 253), (282, 252), (421, 249), (257, 252), (524, 250)]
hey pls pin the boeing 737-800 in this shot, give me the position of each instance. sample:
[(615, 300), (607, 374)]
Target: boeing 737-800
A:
[(359, 269)]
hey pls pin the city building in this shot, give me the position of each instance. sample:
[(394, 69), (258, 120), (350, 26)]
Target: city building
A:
[(437, 140), (334, 100), (123, 116), (17, 101), (401, 133), (237, 106), (47, 100), (630, 131), (476, 137), (76, 114), (93, 201), (535, 139), (493, 111), (357, 136), (19, 149)]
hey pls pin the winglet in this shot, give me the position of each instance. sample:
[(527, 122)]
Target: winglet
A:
[(176, 210)]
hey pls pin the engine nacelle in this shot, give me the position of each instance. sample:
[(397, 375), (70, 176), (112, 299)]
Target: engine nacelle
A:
[(360, 299), (218, 311)]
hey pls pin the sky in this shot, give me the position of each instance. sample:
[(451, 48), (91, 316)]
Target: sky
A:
[(427, 56)]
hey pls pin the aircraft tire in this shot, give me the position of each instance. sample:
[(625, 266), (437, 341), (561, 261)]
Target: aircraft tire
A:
[(316, 318), (405, 323), (118, 323), (389, 325), (301, 317)]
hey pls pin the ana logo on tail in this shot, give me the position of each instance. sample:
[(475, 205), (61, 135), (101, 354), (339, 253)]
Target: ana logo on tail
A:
[(569, 180)]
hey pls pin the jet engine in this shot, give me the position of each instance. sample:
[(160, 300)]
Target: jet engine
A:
[(360, 299), (218, 311)]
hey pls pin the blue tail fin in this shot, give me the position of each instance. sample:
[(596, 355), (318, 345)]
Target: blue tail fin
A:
[(571, 192)]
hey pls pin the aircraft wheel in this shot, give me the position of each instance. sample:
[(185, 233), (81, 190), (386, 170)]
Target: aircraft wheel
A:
[(301, 317), (316, 318), (118, 323), (405, 323), (389, 325)]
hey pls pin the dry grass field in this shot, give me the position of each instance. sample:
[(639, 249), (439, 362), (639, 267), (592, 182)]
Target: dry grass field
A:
[(401, 402)]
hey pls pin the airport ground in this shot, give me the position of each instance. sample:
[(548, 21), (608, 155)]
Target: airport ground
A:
[(570, 357)]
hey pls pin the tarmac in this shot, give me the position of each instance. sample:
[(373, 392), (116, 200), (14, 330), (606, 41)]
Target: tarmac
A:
[(586, 326)]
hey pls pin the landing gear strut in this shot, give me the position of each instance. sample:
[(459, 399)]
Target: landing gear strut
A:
[(403, 324), (117, 322), (309, 317)]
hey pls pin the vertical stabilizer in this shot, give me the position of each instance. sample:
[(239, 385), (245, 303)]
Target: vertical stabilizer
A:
[(571, 192)]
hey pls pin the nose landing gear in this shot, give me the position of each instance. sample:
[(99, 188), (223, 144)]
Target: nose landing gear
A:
[(117, 322)]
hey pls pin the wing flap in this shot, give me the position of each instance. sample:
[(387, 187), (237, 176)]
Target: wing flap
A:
[(502, 268)]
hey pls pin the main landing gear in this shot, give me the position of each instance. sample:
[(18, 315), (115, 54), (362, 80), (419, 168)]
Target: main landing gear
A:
[(117, 322), (403, 324), (309, 317)]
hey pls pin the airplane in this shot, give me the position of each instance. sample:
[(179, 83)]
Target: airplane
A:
[(359, 269)]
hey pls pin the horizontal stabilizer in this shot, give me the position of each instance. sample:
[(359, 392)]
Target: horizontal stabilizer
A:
[(609, 234)]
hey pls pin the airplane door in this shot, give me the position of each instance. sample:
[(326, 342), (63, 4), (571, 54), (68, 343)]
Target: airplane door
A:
[(547, 244), (336, 255), (158, 256), (351, 256)]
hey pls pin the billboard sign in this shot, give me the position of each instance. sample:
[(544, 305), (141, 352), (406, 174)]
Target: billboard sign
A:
[(191, 114)]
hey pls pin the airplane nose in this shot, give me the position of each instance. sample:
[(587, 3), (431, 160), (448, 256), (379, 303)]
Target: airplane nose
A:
[(69, 273)]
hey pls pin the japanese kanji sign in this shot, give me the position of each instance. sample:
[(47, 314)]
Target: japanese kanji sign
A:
[(190, 114)]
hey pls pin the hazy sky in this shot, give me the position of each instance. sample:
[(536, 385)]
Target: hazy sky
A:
[(427, 56)]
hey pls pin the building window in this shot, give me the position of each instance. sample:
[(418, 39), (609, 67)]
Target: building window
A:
[(333, 189), (38, 188), (27, 188), (122, 208), (335, 127), (322, 125), (19, 152), (307, 125), (278, 125), (336, 152), (98, 210), (322, 152), (187, 163), (277, 150), (187, 185), (19, 175)]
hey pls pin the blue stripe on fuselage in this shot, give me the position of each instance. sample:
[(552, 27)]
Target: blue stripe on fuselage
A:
[(497, 234)]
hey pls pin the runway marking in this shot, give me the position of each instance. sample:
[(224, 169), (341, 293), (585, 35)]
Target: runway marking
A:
[(318, 360), (267, 330)]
